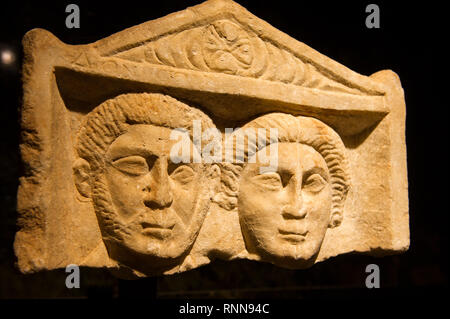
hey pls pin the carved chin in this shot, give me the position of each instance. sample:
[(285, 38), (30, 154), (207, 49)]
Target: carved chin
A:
[(121, 239), (118, 236), (292, 252)]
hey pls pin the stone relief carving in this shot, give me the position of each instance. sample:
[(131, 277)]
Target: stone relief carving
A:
[(224, 46), (205, 134)]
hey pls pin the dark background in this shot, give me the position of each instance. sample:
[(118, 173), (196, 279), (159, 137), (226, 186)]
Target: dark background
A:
[(405, 43)]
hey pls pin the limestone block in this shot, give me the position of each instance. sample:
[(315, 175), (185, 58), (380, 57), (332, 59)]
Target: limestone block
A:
[(205, 134)]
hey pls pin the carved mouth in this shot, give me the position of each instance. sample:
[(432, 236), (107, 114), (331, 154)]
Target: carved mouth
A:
[(293, 236), (156, 230)]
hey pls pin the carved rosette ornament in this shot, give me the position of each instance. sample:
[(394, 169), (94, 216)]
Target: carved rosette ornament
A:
[(201, 135)]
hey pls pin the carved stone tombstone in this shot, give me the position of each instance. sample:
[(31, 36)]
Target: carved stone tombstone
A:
[(201, 135)]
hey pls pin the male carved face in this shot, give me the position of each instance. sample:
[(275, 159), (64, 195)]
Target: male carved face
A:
[(285, 213), (149, 208), (157, 202)]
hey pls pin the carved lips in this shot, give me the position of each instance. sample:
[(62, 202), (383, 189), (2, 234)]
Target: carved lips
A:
[(295, 236), (157, 230)]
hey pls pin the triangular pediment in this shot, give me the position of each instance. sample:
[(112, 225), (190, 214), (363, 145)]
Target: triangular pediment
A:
[(222, 58), (220, 36)]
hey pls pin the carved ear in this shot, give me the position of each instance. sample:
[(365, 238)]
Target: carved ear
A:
[(81, 173), (335, 219)]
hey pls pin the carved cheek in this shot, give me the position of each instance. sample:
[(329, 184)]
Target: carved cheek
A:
[(258, 207), (126, 192), (319, 210), (184, 201), (249, 198)]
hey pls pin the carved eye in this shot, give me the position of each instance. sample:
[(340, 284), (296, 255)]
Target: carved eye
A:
[(270, 180), (314, 183), (183, 174), (132, 165)]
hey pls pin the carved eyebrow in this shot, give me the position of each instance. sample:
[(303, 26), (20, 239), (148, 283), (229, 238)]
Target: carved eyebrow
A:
[(116, 152), (119, 151), (316, 170)]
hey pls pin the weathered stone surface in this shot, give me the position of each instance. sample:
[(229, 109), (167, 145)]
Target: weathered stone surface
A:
[(105, 127)]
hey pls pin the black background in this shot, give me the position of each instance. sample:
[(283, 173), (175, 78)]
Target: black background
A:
[(406, 43)]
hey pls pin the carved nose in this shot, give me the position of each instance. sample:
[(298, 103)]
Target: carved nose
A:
[(294, 210), (160, 192), (160, 196)]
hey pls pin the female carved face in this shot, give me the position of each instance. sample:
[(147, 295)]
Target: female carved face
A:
[(285, 212)]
